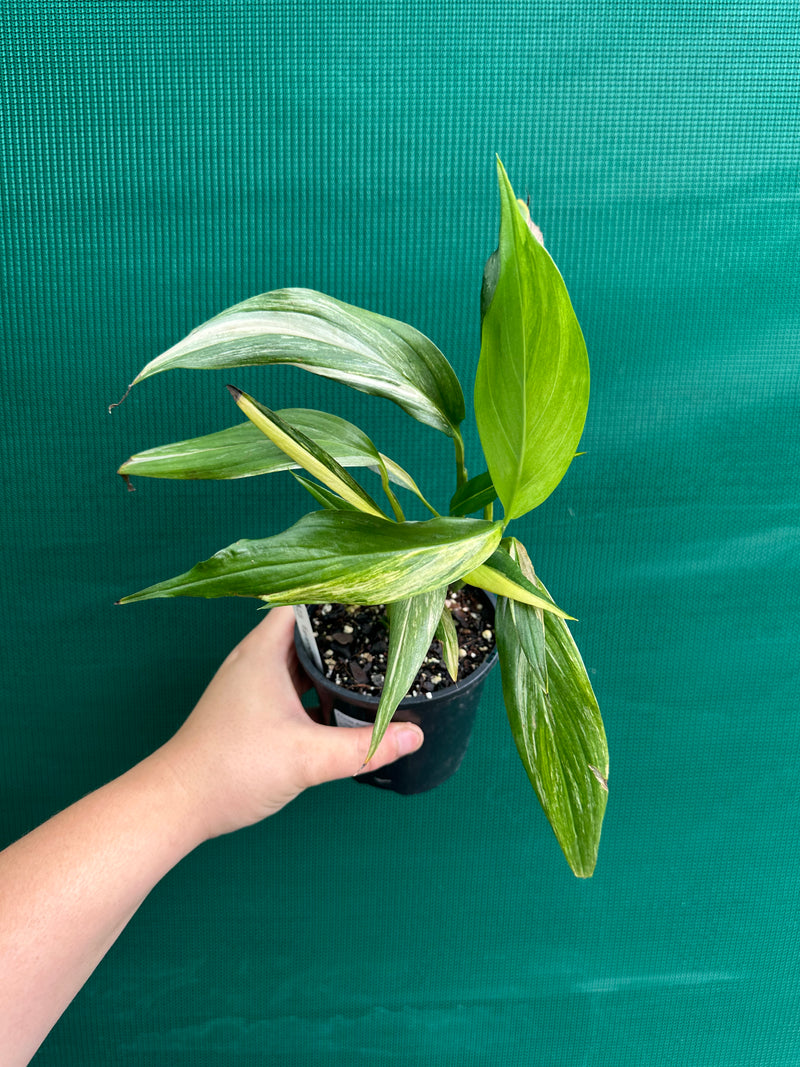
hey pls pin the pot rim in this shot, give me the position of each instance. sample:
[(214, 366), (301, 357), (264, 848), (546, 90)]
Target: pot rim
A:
[(352, 696)]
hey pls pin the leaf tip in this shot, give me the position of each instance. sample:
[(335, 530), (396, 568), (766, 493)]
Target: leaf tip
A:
[(123, 398), (235, 393), (375, 741)]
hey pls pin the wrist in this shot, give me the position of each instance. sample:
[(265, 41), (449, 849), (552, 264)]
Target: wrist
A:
[(196, 784), (175, 800)]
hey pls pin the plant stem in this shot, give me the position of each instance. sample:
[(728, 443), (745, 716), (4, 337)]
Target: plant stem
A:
[(461, 470), (398, 511)]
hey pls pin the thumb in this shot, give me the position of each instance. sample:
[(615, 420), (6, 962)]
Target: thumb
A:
[(347, 748), (400, 739)]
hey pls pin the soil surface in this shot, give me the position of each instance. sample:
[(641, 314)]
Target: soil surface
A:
[(353, 641)]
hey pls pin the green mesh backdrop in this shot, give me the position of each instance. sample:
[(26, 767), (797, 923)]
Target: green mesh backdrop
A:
[(162, 161)]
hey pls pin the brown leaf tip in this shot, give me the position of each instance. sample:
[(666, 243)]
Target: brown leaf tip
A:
[(121, 400)]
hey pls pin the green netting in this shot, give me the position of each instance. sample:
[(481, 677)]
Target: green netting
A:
[(162, 161)]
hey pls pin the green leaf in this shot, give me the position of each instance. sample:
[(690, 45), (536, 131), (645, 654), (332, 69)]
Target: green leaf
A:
[(307, 329), (323, 495), (341, 556), (473, 495), (558, 732), (412, 623), (532, 382), (243, 451), (524, 620), (448, 636), (491, 272), (499, 574), (306, 452)]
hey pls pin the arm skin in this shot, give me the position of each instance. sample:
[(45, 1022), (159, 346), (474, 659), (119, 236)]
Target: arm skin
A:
[(69, 887)]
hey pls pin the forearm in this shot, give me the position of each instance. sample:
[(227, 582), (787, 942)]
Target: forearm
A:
[(68, 889)]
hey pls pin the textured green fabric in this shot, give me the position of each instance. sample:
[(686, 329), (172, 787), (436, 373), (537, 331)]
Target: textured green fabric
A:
[(162, 161)]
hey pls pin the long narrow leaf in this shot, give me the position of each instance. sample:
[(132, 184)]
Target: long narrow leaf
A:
[(243, 451), (311, 330), (523, 620), (558, 732), (324, 496), (448, 636), (499, 574), (306, 452), (400, 477), (347, 557), (412, 623), (532, 382)]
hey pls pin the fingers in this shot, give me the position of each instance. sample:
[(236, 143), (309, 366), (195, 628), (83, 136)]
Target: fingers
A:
[(330, 752)]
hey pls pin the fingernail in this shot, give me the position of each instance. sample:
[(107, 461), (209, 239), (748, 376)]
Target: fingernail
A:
[(409, 739)]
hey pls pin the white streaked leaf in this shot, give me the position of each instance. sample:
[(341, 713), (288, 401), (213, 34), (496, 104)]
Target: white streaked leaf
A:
[(243, 451), (558, 731), (306, 452), (318, 333), (525, 621), (448, 636), (499, 574), (412, 623), (341, 556)]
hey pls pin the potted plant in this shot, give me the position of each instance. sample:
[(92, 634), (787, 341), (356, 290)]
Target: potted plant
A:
[(530, 401)]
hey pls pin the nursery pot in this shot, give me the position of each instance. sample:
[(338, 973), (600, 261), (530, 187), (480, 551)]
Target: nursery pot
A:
[(446, 718)]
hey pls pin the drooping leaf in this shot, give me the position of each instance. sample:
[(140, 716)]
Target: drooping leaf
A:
[(524, 620), (318, 333), (306, 452), (448, 636), (341, 556), (412, 623), (473, 495), (532, 382), (558, 731), (499, 574)]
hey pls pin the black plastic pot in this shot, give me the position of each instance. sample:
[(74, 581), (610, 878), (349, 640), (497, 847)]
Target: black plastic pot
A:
[(446, 718)]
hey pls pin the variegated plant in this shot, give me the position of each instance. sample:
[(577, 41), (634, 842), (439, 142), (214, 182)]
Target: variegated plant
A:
[(531, 396)]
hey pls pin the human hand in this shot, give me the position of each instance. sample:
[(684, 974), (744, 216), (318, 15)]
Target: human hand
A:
[(249, 746)]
